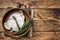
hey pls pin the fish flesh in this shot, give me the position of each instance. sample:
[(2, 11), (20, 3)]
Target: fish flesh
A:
[(11, 23)]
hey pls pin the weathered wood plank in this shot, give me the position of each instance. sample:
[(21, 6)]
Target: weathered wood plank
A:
[(46, 14), (46, 36), (50, 21), (38, 36), (41, 26), (1, 27), (53, 20), (32, 3)]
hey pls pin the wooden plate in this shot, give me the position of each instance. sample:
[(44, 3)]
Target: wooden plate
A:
[(7, 15)]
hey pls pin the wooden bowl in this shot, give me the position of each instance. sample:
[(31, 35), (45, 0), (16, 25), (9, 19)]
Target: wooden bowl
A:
[(7, 15)]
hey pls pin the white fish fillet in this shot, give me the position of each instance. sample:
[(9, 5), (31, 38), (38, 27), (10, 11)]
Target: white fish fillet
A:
[(11, 22)]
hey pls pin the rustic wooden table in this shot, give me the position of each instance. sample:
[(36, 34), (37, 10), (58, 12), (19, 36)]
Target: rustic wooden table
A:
[(49, 10)]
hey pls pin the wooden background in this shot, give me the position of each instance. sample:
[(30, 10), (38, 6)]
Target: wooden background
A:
[(49, 10)]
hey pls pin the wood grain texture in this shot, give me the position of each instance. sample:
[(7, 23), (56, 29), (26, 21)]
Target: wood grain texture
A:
[(46, 18), (32, 3), (37, 36), (50, 20)]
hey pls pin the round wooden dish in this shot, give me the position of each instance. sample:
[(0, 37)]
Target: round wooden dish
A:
[(7, 15)]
